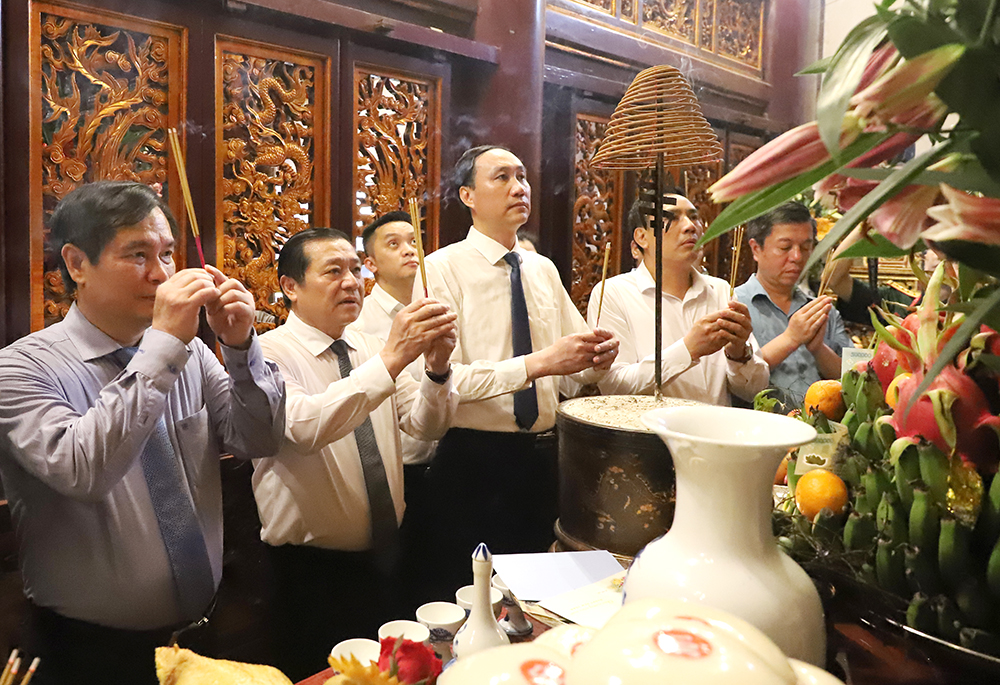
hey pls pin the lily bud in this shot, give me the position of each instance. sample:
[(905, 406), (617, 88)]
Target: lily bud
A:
[(879, 62), (790, 154), (907, 84), (965, 217)]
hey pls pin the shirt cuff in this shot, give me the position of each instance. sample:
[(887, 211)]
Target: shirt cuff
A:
[(241, 364), (161, 358), (512, 372), (374, 379), (675, 357)]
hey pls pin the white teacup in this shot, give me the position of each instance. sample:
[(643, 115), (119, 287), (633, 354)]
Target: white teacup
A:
[(360, 648), (409, 630), (466, 595), (443, 619)]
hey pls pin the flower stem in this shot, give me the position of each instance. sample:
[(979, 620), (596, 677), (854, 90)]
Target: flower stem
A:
[(991, 14)]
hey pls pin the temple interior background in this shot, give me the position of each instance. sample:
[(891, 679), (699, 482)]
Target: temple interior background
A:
[(298, 113)]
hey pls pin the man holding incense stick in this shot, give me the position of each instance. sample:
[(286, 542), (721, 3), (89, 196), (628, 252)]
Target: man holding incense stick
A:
[(113, 421), (493, 478), (708, 346), (801, 337)]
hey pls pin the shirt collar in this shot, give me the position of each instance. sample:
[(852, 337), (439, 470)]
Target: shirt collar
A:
[(386, 301), (644, 279), (489, 248), (754, 288), (314, 340), (90, 341)]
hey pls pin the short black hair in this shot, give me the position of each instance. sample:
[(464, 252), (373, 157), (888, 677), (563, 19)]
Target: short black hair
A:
[(292, 260), (638, 217), (464, 173), (387, 218), (530, 236), (789, 213), (91, 216)]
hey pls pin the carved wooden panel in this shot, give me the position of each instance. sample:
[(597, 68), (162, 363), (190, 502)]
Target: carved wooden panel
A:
[(597, 211), (728, 29), (104, 89), (603, 5), (676, 18), (397, 146), (272, 160), (740, 30), (697, 180)]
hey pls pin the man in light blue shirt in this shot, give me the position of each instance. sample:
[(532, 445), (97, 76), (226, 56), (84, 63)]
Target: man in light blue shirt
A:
[(111, 426), (801, 337)]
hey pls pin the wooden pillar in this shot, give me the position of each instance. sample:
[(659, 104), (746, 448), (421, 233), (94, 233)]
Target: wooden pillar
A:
[(510, 111), (793, 41)]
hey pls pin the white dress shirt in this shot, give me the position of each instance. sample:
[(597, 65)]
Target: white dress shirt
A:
[(472, 277), (628, 311), (313, 492), (377, 313), (74, 424)]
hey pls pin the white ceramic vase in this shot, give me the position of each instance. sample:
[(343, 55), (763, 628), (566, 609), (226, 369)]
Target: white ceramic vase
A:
[(481, 630), (720, 549)]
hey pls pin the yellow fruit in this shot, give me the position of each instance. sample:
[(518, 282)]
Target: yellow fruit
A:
[(820, 489), (826, 397), (892, 392)]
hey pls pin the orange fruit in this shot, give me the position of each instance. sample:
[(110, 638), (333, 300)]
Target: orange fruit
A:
[(826, 397), (781, 475), (820, 489), (892, 392)]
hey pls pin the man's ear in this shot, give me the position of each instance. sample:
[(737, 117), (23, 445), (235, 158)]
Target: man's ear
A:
[(465, 194), (755, 249), (288, 285), (639, 236), (370, 264), (75, 260)]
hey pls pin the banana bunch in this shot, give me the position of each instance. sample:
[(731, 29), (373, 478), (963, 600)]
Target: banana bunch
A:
[(912, 527)]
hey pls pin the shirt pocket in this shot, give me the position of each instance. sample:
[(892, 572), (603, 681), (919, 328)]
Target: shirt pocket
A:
[(199, 447)]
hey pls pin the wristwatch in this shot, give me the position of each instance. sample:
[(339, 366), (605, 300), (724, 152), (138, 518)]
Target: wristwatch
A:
[(438, 378), (747, 354)]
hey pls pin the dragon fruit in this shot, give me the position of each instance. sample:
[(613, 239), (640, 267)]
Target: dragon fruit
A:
[(953, 413)]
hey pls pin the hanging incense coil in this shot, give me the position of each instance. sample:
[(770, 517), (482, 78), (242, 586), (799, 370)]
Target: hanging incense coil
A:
[(659, 113)]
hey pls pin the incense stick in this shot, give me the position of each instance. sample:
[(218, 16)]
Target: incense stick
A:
[(734, 268), (418, 235), (824, 279), (15, 667), (604, 277), (175, 144), (31, 671), (10, 664)]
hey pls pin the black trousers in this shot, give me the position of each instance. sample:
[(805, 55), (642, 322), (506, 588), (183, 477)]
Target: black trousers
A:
[(322, 597), (75, 652), (497, 488)]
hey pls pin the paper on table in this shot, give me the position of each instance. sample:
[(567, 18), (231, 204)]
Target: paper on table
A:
[(590, 606), (535, 577)]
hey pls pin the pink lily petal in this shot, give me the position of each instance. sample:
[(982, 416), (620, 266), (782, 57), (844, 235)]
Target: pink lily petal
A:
[(902, 218), (907, 84), (965, 217), (879, 62)]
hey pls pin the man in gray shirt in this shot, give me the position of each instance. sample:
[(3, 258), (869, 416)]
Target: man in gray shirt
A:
[(112, 423)]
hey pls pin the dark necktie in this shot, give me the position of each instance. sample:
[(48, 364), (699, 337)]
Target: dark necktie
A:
[(175, 515), (385, 529), (525, 401)]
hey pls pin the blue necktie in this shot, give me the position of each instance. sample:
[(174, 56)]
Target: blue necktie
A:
[(175, 515), (525, 401), (385, 529)]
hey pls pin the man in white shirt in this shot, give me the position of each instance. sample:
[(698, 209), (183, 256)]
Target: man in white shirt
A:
[(708, 348), (330, 503), (493, 478), (391, 255)]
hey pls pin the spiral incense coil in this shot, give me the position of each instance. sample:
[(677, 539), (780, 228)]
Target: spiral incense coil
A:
[(658, 114)]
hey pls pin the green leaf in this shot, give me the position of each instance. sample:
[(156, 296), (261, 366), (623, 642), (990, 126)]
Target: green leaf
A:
[(969, 176), (897, 180), (842, 77), (980, 256), (878, 247), (754, 204), (968, 279), (817, 67), (913, 36), (970, 16), (970, 326), (990, 361)]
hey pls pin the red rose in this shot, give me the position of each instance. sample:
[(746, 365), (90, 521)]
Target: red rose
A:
[(413, 663)]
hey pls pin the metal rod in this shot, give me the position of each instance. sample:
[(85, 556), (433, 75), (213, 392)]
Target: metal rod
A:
[(658, 279)]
